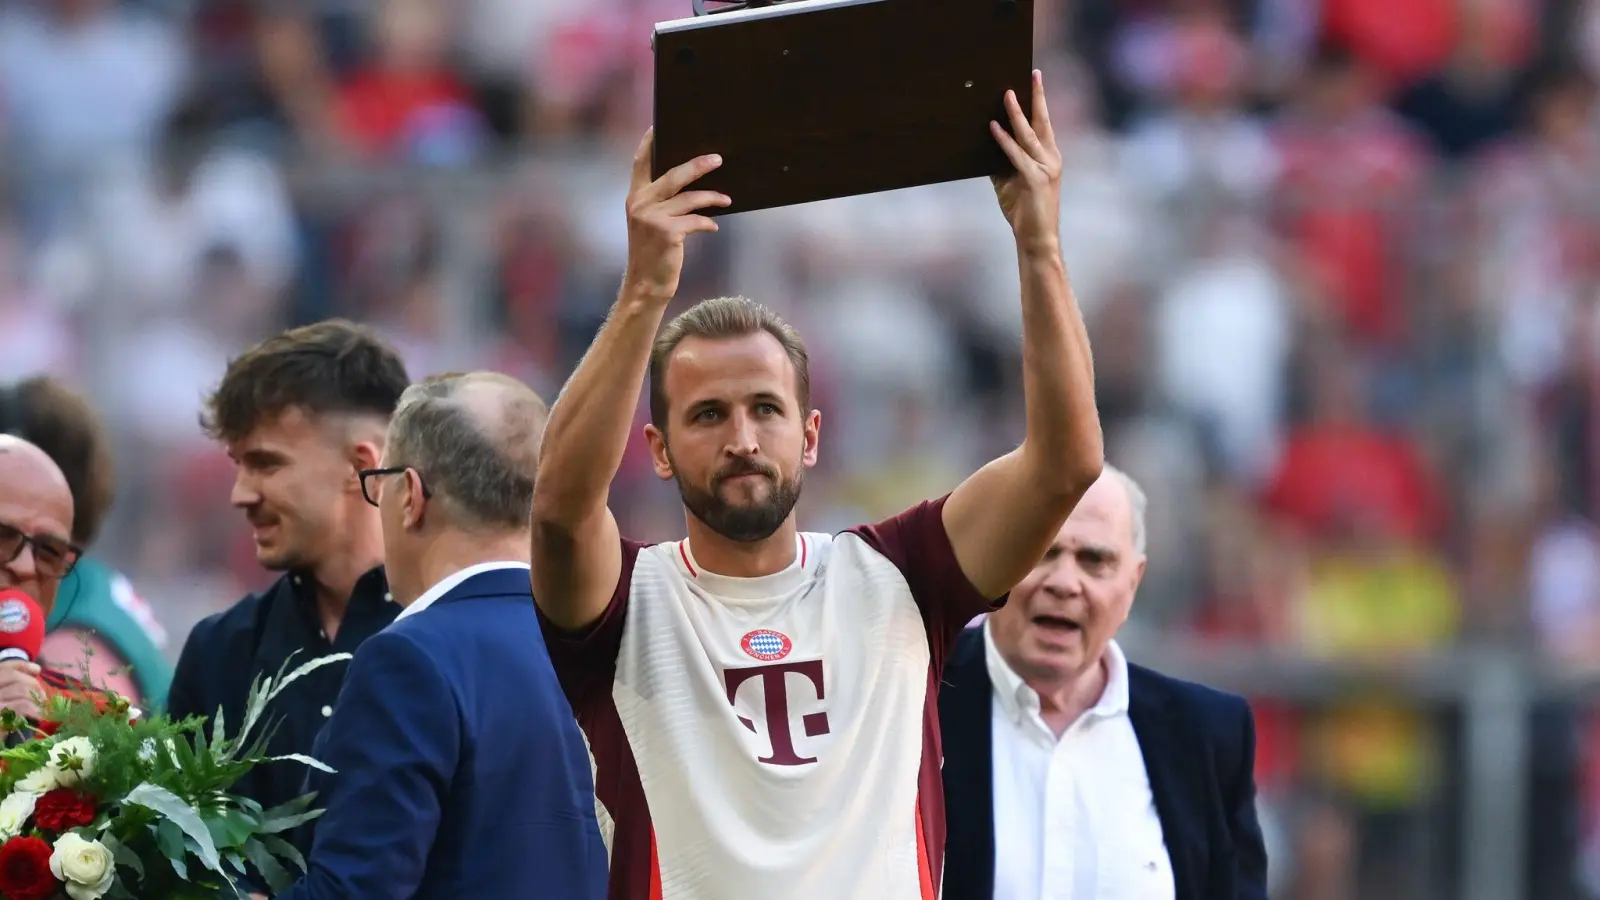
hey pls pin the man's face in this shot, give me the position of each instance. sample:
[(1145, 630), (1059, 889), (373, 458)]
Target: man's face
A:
[(737, 439), (1059, 619), (291, 479), (41, 509)]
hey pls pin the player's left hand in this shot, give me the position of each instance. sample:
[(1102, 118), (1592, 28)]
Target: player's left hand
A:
[(1030, 198)]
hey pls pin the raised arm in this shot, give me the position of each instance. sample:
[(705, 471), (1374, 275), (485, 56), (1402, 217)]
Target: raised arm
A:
[(1002, 519), (577, 552)]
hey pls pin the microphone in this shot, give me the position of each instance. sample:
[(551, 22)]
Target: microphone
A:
[(21, 626)]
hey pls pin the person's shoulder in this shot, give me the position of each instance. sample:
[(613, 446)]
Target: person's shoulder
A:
[(402, 637), (242, 618), (968, 646), (659, 558), (1203, 702), (904, 536)]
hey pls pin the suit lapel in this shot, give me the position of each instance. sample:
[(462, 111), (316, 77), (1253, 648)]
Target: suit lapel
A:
[(1168, 757), (964, 711)]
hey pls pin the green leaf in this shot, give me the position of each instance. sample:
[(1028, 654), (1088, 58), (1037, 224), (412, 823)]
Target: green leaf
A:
[(219, 735), (169, 840), (284, 823), (277, 876), (306, 669), (180, 814), (303, 760), (123, 855), (230, 828), (285, 850), (290, 807)]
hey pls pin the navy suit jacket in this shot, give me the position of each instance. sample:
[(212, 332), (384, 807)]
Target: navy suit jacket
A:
[(1199, 752), (461, 772)]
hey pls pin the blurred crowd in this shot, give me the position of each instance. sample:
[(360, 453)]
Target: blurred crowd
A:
[(1339, 260)]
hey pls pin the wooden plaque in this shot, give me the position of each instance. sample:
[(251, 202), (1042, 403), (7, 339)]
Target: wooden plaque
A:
[(815, 99)]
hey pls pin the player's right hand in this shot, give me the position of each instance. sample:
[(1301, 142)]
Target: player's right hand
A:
[(660, 215)]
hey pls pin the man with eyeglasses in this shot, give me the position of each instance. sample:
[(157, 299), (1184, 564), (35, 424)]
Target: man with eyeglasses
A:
[(458, 769), (36, 552), (101, 629)]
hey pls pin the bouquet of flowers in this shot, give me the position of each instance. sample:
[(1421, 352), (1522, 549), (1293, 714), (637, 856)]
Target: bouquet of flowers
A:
[(100, 801)]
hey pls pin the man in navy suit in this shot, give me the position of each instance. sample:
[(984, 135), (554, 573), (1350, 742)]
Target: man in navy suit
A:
[(461, 772), (1071, 773)]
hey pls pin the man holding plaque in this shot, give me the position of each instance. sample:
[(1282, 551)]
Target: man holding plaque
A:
[(760, 703)]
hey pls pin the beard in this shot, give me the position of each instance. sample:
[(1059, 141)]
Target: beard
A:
[(737, 522)]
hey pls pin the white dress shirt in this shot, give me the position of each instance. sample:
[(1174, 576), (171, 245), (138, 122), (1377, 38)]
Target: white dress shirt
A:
[(453, 580), (1074, 818)]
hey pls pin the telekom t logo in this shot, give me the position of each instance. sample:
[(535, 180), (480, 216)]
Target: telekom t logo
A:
[(775, 684)]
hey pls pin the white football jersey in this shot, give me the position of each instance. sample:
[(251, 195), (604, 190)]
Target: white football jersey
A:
[(778, 736)]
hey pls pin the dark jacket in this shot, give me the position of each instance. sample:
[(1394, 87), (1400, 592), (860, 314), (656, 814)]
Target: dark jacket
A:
[(254, 638), (1199, 753), (460, 770)]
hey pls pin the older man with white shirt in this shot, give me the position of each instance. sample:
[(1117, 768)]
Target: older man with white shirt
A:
[(1072, 774), (461, 771)]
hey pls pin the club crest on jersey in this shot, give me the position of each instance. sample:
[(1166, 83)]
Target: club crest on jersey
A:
[(766, 645), (14, 617)]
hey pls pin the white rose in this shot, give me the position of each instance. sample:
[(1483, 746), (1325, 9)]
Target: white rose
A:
[(42, 780), (72, 760), (86, 866), (14, 813)]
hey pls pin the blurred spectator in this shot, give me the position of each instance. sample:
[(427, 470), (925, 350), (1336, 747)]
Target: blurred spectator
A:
[(593, 68), (1341, 473), (82, 83), (1350, 179), (204, 199), (406, 102), (35, 334), (1538, 216), (1203, 155), (1472, 99)]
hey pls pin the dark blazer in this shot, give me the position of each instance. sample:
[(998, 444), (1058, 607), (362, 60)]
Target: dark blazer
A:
[(461, 772), (254, 638), (1199, 752)]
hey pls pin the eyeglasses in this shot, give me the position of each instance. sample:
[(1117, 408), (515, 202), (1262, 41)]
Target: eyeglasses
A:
[(371, 497), (53, 557)]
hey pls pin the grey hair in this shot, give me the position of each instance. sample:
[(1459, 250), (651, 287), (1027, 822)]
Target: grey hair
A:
[(1137, 502), (474, 438)]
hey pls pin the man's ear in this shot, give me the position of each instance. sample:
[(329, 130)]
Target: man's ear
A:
[(414, 507), (813, 430), (1133, 589), (366, 454), (362, 455), (659, 458)]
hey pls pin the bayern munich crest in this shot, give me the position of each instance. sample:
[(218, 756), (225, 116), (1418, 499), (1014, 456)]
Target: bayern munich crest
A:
[(767, 645), (14, 617)]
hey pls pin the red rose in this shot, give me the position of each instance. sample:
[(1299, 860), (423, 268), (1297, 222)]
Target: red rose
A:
[(25, 870), (47, 727), (63, 808)]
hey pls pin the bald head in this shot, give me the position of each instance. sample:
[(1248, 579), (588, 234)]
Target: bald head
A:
[(35, 503), (474, 437), (28, 475)]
